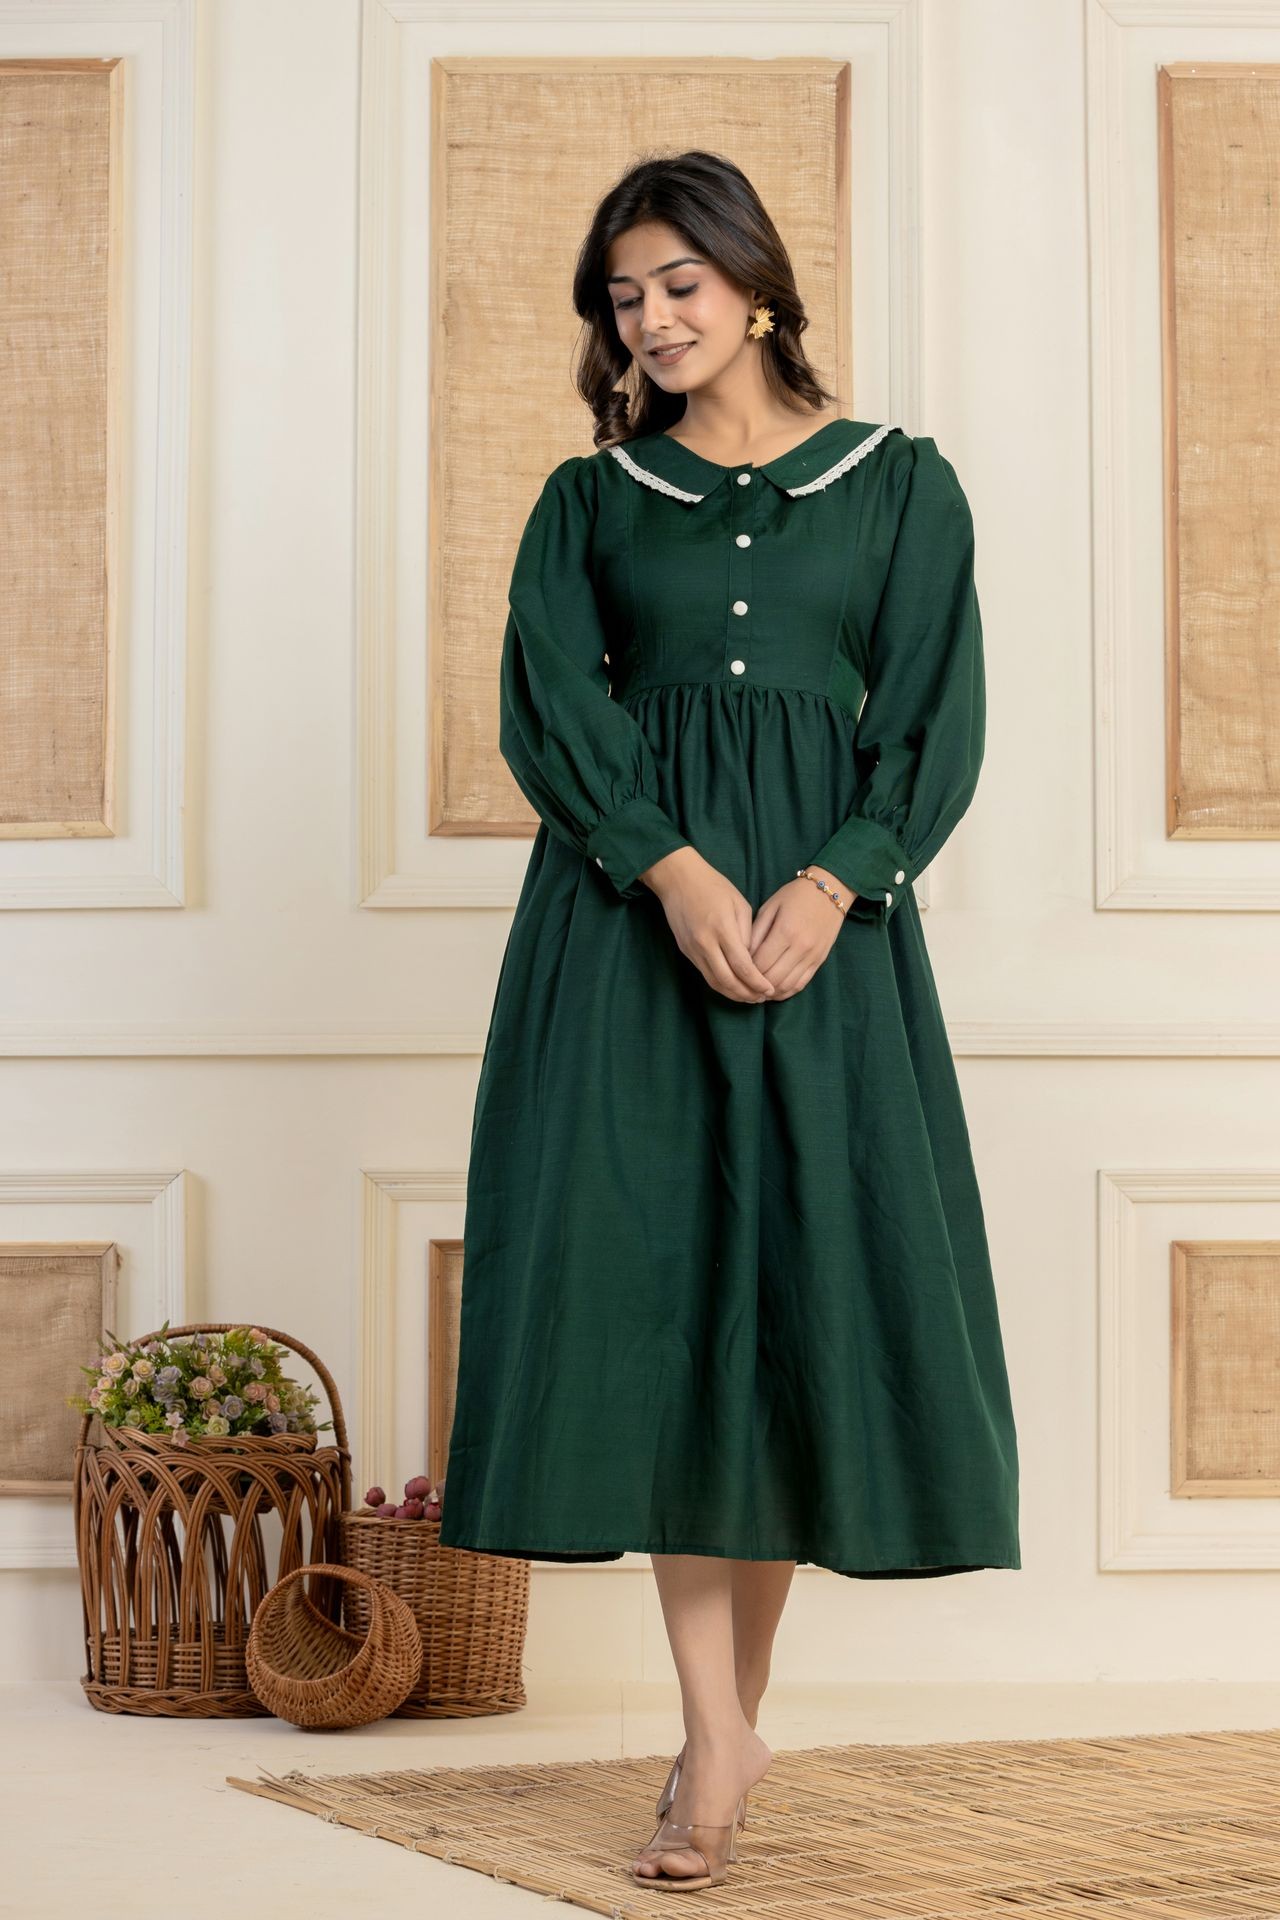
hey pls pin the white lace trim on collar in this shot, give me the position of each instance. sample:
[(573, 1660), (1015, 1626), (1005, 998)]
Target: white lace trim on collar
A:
[(624, 459), (843, 465), (850, 459)]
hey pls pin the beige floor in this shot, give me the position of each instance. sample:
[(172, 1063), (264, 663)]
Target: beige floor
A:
[(109, 1815)]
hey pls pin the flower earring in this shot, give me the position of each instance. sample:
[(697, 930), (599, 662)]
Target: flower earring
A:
[(761, 323)]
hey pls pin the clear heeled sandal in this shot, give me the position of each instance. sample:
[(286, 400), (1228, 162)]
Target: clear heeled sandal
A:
[(667, 1798), (715, 1844)]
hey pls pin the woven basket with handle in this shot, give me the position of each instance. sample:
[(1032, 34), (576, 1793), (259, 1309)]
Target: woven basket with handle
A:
[(310, 1671), (174, 1559), (471, 1609)]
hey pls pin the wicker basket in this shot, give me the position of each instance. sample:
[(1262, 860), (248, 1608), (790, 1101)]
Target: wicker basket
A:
[(471, 1609), (314, 1673), (173, 1559)]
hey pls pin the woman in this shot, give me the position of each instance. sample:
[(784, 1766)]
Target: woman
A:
[(727, 1296)]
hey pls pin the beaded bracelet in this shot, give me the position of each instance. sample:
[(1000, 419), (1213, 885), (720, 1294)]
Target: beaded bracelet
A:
[(803, 873)]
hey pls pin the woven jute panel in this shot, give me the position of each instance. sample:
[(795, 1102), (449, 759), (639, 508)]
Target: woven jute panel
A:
[(1225, 1369), (1161, 1826), (55, 1301), (1219, 143), (444, 1328), (521, 152), (58, 129)]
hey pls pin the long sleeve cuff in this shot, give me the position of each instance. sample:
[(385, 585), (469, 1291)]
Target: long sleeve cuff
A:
[(626, 843), (872, 863)]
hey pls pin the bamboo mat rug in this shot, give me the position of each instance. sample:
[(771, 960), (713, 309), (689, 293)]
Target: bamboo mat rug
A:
[(1166, 1827)]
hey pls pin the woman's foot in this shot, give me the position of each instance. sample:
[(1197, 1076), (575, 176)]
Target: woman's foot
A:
[(712, 1777), (750, 1713)]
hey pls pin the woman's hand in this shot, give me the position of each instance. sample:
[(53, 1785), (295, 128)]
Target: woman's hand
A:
[(710, 919), (794, 931)]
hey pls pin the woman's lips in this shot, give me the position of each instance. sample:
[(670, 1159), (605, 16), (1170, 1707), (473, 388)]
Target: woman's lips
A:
[(669, 356)]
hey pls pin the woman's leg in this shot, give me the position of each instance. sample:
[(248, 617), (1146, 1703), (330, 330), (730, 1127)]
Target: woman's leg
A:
[(723, 1754), (760, 1589)]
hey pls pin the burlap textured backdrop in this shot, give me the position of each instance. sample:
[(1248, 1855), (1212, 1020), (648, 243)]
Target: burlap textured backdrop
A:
[(59, 124)]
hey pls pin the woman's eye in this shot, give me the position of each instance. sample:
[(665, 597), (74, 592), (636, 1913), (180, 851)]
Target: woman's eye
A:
[(677, 293)]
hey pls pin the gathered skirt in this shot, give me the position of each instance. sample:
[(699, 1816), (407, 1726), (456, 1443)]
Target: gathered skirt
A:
[(726, 1281)]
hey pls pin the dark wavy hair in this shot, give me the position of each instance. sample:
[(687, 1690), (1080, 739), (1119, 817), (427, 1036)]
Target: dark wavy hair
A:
[(714, 207)]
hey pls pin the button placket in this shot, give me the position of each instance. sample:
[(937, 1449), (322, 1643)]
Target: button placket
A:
[(738, 618)]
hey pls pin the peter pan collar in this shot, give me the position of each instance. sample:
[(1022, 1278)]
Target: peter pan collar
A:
[(658, 461)]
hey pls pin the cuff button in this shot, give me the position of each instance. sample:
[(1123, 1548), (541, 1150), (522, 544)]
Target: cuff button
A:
[(900, 876), (888, 899), (599, 861)]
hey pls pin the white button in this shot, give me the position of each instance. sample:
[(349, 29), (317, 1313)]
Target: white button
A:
[(744, 479), (599, 861), (739, 606), (737, 666), (899, 876), (744, 539), (888, 899)]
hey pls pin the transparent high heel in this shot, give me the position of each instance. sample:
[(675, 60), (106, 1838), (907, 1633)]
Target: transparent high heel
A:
[(667, 1798), (716, 1844)]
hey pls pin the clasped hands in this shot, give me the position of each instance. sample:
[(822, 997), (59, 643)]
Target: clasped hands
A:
[(770, 955)]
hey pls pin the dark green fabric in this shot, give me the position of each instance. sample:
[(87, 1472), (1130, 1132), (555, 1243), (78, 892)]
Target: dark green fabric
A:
[(726, 1282)]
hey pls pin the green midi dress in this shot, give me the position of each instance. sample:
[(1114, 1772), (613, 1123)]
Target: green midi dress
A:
[(726, 1286)]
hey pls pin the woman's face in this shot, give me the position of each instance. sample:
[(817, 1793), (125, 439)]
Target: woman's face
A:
[(667, 295)]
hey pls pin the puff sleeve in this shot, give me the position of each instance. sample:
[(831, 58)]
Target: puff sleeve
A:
[(580, 759), (923, 721)]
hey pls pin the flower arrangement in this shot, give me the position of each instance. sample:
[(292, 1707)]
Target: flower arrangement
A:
[(197, 1386)]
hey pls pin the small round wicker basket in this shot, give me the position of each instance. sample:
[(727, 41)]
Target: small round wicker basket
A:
[(308, 1670)]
